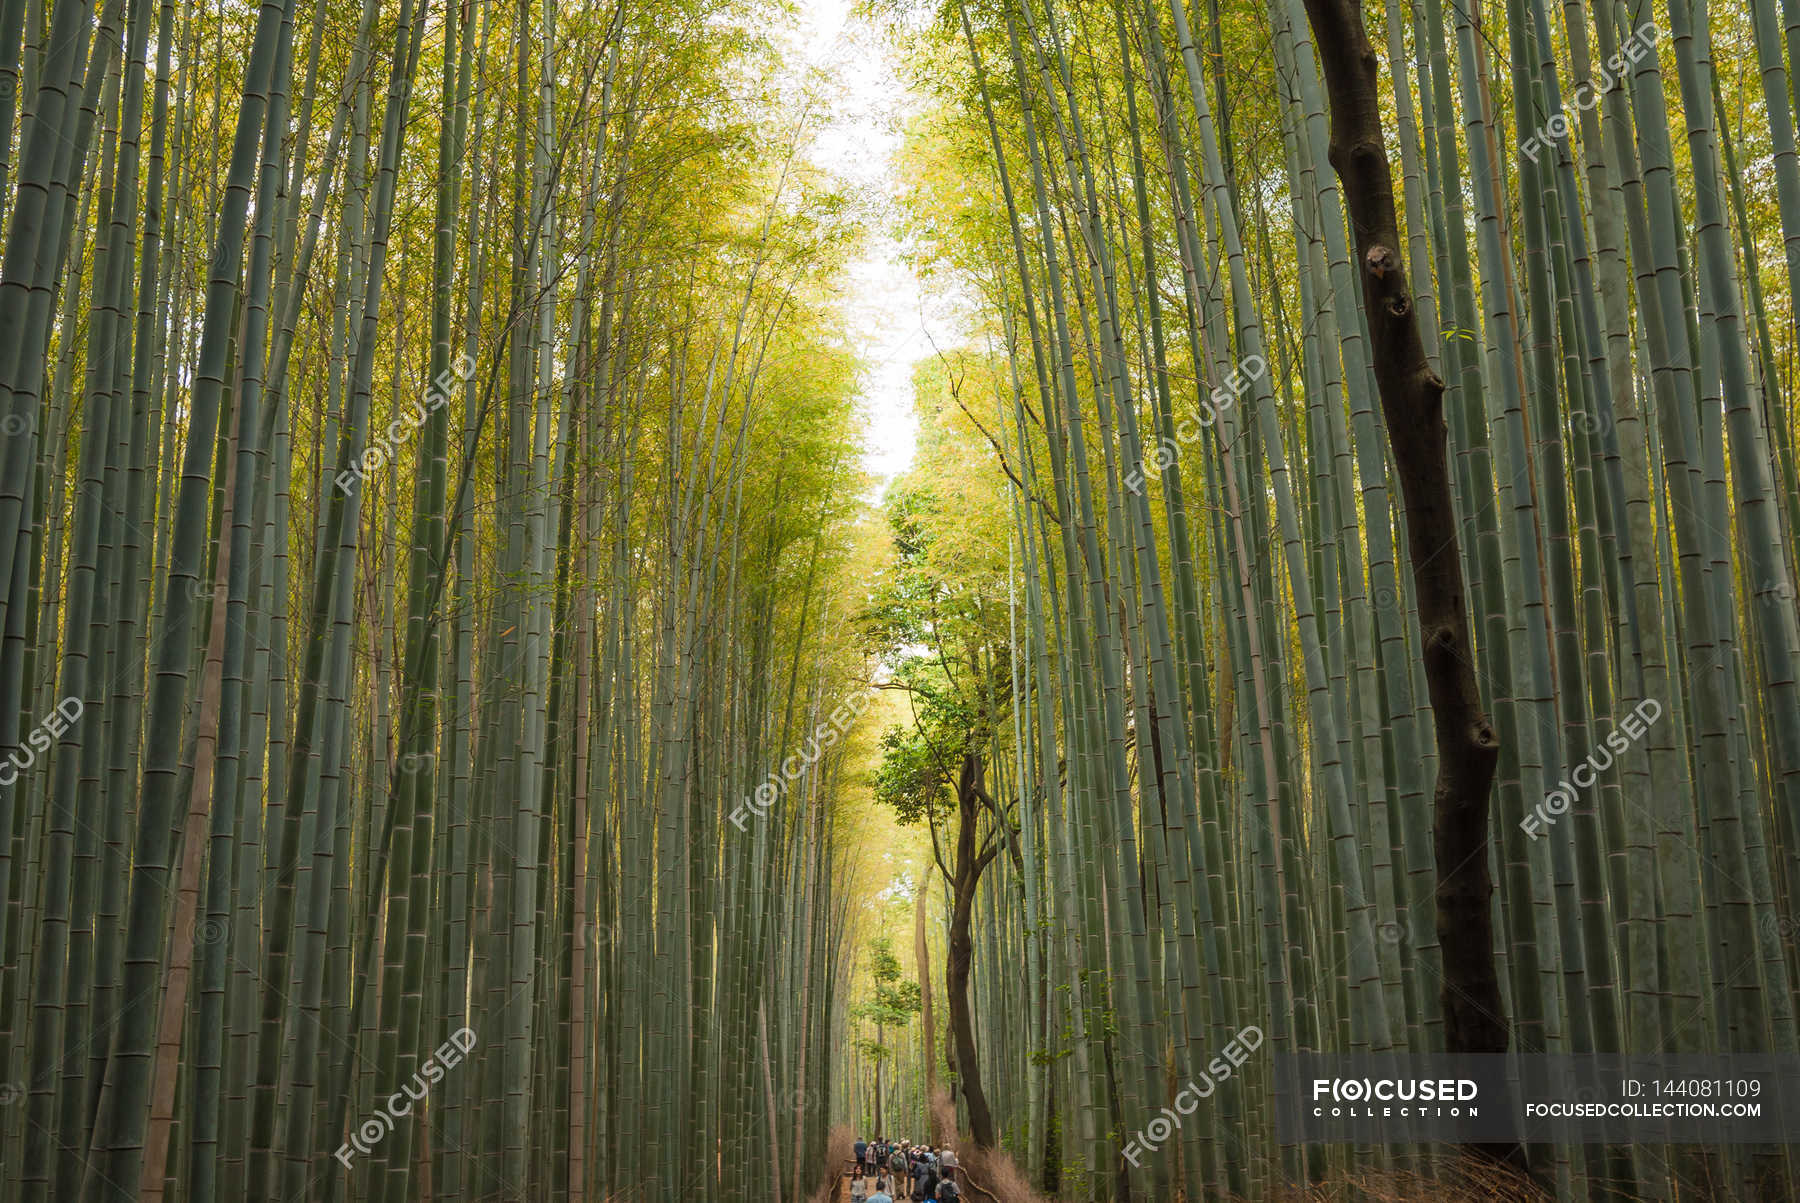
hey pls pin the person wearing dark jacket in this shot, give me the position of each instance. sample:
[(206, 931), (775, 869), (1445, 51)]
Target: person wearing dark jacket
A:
[(928, 1178)]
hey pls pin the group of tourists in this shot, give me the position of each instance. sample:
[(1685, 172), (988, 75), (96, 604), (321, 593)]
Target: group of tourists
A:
[(900, 1169)]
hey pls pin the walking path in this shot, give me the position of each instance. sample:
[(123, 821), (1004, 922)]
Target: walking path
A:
[(843, 1189)]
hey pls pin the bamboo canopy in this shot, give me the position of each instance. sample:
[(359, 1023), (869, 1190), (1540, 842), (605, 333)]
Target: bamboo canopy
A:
[(476, 721)]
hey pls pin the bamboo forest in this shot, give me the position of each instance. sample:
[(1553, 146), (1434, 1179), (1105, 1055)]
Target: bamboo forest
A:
[(822, 601)]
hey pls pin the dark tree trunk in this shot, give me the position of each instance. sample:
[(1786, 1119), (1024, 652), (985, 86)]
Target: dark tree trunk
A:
[(1412, 401), (966, 874)]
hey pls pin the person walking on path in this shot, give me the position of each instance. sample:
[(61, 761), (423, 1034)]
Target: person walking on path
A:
[(927, 1178), (881, 1195), (946, 1174), (897, 1165)]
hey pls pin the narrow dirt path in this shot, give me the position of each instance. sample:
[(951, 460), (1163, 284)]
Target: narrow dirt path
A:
[(843, 1189)]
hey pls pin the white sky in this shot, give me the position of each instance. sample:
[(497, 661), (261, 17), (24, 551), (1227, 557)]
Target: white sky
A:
[(893, 321)]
